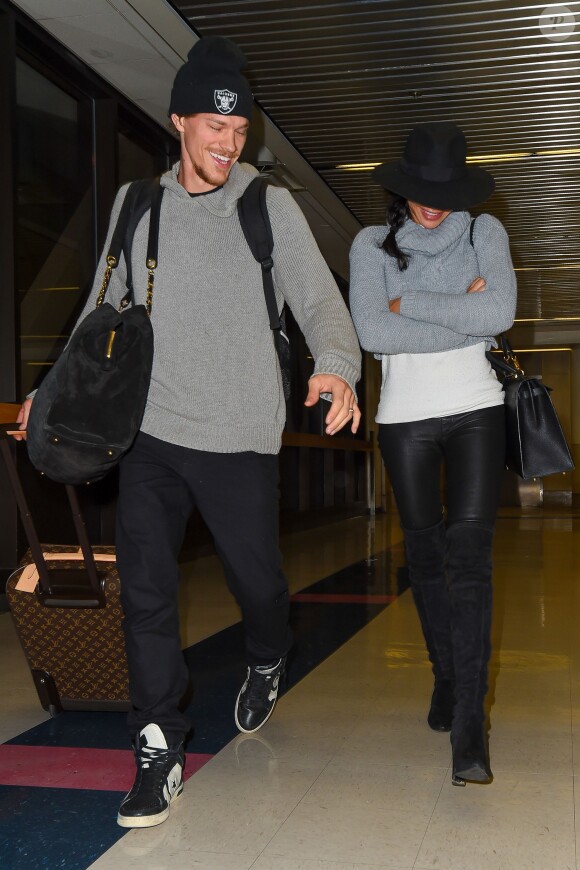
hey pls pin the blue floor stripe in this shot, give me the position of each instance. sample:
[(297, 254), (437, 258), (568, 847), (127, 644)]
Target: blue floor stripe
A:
[(35, 817), (53, 827)]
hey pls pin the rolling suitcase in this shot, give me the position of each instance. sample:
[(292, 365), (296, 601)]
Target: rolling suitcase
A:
[(65, 602)]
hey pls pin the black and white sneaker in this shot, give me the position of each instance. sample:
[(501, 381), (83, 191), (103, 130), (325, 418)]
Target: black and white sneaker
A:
[(158, 781), (258, 695)]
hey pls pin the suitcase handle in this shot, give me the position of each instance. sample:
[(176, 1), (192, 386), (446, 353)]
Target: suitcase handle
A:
[(91, 595)]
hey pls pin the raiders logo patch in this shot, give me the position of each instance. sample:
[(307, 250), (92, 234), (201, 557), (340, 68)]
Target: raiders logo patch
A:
[(225, 101)]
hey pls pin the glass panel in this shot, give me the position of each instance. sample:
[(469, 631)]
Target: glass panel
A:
[(54, 231), (141, 156), (136, 162)]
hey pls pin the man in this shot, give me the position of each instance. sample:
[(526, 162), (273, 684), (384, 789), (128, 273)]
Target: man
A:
[(215, 413)]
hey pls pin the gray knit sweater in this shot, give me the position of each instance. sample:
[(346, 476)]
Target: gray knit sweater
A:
[(436, 312), (216, 381)]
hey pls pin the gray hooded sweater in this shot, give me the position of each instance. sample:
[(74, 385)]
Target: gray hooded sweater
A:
[(216, 383), (436, 313)]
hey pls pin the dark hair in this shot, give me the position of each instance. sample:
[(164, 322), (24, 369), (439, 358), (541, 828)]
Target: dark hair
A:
[(396, 216)]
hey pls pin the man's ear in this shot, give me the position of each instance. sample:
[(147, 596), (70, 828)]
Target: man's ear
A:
[(177, 121)]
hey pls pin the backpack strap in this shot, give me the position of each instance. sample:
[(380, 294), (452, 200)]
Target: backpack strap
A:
[(257, 229), (141, 196), (255, 222)]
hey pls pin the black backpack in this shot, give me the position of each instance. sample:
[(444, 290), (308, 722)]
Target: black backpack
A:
[(255, 222)]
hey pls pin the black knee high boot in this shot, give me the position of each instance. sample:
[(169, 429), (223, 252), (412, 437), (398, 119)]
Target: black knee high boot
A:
[(469, 547), (426, 557)]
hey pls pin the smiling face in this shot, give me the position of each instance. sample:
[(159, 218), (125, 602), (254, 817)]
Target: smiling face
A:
[(426, 216), (210, 145)]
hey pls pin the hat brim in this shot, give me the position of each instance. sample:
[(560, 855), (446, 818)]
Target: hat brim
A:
[(475, 186)]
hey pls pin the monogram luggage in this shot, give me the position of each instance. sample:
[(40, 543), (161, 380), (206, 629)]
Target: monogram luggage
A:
[(65, 602)]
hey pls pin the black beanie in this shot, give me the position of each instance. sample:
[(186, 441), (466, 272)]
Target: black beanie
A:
[(211, 81)]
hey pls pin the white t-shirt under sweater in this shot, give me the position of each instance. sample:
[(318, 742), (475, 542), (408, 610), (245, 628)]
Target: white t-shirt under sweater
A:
[(419, 386)]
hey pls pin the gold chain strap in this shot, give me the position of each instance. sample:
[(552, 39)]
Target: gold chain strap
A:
[(111, 264), (151, 266), (512, 360), (515, 363)]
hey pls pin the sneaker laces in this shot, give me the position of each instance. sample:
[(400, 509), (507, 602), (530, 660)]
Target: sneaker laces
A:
[(154, 763), (153, 755), (260, 678)]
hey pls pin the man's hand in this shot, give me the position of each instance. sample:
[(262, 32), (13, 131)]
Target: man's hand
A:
[(344, 406), (22, 419)]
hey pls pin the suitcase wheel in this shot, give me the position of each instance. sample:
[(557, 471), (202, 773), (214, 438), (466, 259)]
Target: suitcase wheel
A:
[(47, 691)]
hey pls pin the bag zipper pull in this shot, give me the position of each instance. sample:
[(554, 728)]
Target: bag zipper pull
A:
[(109, 350)]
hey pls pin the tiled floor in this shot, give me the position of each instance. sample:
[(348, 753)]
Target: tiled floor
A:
[(347, 775)]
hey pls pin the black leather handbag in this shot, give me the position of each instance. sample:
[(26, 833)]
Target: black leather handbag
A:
[(535, 442), (88, 409)]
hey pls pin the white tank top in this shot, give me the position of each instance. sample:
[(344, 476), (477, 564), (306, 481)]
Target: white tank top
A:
[(419, 386)]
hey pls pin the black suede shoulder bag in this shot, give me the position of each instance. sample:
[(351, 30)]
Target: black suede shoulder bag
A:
[(89, 407)]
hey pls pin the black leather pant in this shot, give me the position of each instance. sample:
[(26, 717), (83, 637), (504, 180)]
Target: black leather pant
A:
[(472, 448), (450, 564)]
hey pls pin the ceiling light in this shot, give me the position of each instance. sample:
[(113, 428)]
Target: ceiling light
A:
[(356, 167), (540, 349), (545, 268), (519, 155), (558, 151), (517, 350), (496, 158), (545, 319), (479, 158)]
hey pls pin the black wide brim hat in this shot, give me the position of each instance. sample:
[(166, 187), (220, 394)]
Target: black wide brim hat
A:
[(433, 171)]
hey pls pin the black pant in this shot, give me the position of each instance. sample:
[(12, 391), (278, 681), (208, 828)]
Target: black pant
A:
[(237, 495), (451, 568), (472, 447)]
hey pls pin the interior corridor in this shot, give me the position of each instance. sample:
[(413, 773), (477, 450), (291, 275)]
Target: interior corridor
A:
[(346, 774)]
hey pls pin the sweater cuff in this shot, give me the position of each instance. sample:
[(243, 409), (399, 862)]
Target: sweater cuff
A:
[(408, 304), (329, 364)]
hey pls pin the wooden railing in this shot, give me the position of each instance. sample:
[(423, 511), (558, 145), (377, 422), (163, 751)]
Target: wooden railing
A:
[(327, 442), (8, 412), (314, 475)]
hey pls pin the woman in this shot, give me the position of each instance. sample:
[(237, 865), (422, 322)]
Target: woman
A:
[(428, 294)]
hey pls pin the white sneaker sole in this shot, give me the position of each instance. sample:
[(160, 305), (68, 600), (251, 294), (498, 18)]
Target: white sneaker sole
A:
[(148, 821)]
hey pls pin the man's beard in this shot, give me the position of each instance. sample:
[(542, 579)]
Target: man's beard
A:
[(206, 176)]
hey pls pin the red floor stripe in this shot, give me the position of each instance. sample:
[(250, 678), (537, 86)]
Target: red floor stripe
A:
[(329, 598), (67, 767)]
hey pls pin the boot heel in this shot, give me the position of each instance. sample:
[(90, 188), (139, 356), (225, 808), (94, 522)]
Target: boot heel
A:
[(473, 773), (470, 758)]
